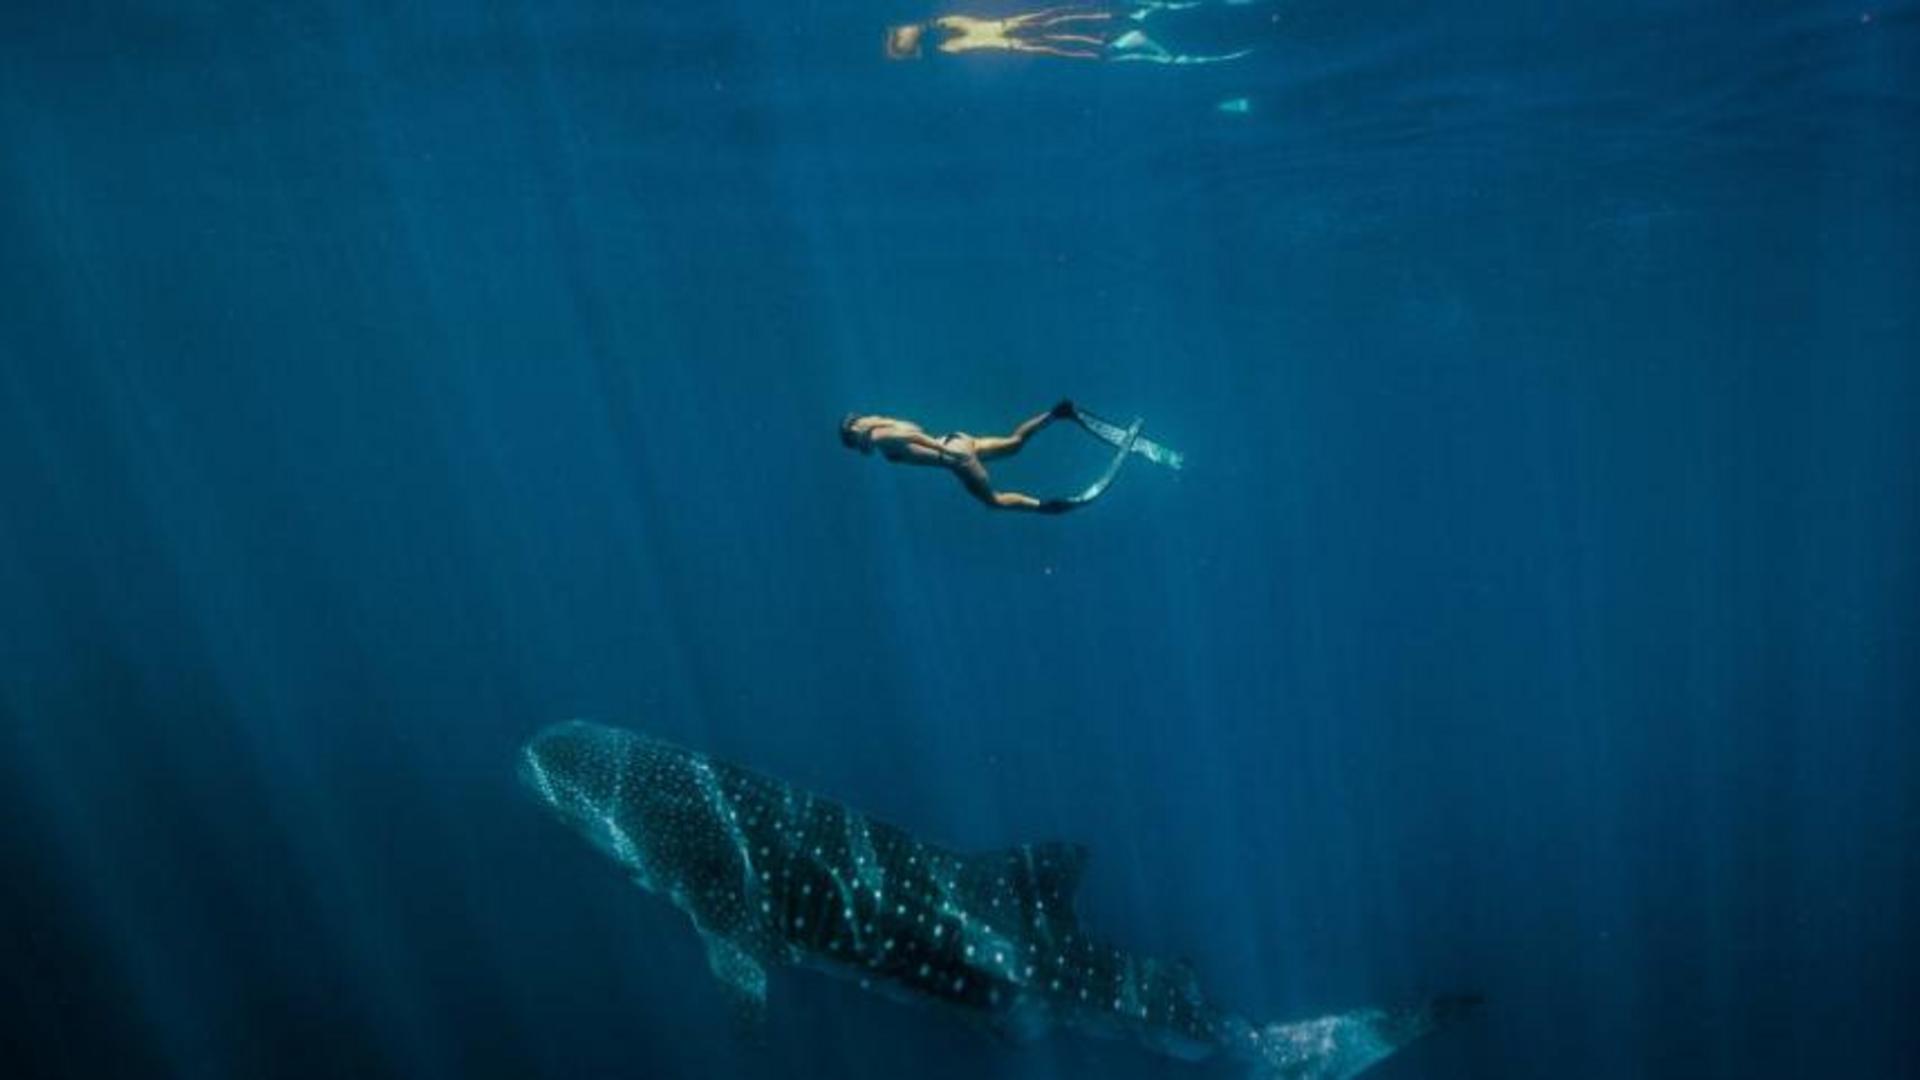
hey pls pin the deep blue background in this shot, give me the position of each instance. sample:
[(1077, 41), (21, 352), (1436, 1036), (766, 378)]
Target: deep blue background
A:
[(1538, 615)]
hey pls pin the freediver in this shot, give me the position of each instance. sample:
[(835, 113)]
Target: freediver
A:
[(1113, 34), (904, 442)]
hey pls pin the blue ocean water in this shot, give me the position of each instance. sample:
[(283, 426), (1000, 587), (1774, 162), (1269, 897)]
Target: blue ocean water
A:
[(1537, 614)]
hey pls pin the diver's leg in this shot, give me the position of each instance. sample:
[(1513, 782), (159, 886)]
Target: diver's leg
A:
[(993, 446), (973, 477), (988, 447)]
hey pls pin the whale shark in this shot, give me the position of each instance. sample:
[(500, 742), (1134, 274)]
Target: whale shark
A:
[(772, 875)]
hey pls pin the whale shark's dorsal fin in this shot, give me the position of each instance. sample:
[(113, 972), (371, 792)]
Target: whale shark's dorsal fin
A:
[(1040, 878)]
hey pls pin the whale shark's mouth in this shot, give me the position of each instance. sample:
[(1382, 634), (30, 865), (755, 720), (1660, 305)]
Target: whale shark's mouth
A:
[(593, 818), (534, 775)]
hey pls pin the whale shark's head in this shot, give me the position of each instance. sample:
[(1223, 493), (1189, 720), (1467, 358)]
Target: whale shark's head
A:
[(622, 791)]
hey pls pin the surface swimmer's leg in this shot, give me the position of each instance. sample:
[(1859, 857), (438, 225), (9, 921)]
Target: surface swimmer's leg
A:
[(1051, 20), (1146, 9), (1136, 46)]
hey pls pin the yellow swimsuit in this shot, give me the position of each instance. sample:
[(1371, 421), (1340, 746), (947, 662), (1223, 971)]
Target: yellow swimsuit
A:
[(1021, 34)]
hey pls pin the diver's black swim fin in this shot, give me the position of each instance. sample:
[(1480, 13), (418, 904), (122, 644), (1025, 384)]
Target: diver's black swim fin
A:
[(1114, 435), (1099, 487)]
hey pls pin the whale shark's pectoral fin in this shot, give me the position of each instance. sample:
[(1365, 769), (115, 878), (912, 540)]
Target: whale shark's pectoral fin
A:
[(1346, 1044), (743, 978)]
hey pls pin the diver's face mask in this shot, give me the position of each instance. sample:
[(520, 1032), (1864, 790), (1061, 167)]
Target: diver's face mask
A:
[(906, 42), (853, 438)]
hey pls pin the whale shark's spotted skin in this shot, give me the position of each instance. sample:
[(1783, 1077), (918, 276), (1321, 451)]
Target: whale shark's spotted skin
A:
[(769, 874)]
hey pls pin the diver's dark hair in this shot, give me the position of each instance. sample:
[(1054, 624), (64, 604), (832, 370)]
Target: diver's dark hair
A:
[(848, 438)]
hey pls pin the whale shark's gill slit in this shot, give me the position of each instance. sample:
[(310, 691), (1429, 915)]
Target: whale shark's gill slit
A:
[(849, 908), (1036, 914), (541, 781), (1127, 999), (868, 872), (724, 813), (624, 848)]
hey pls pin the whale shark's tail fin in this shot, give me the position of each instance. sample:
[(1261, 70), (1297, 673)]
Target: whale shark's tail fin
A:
[(1347, 1044)]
